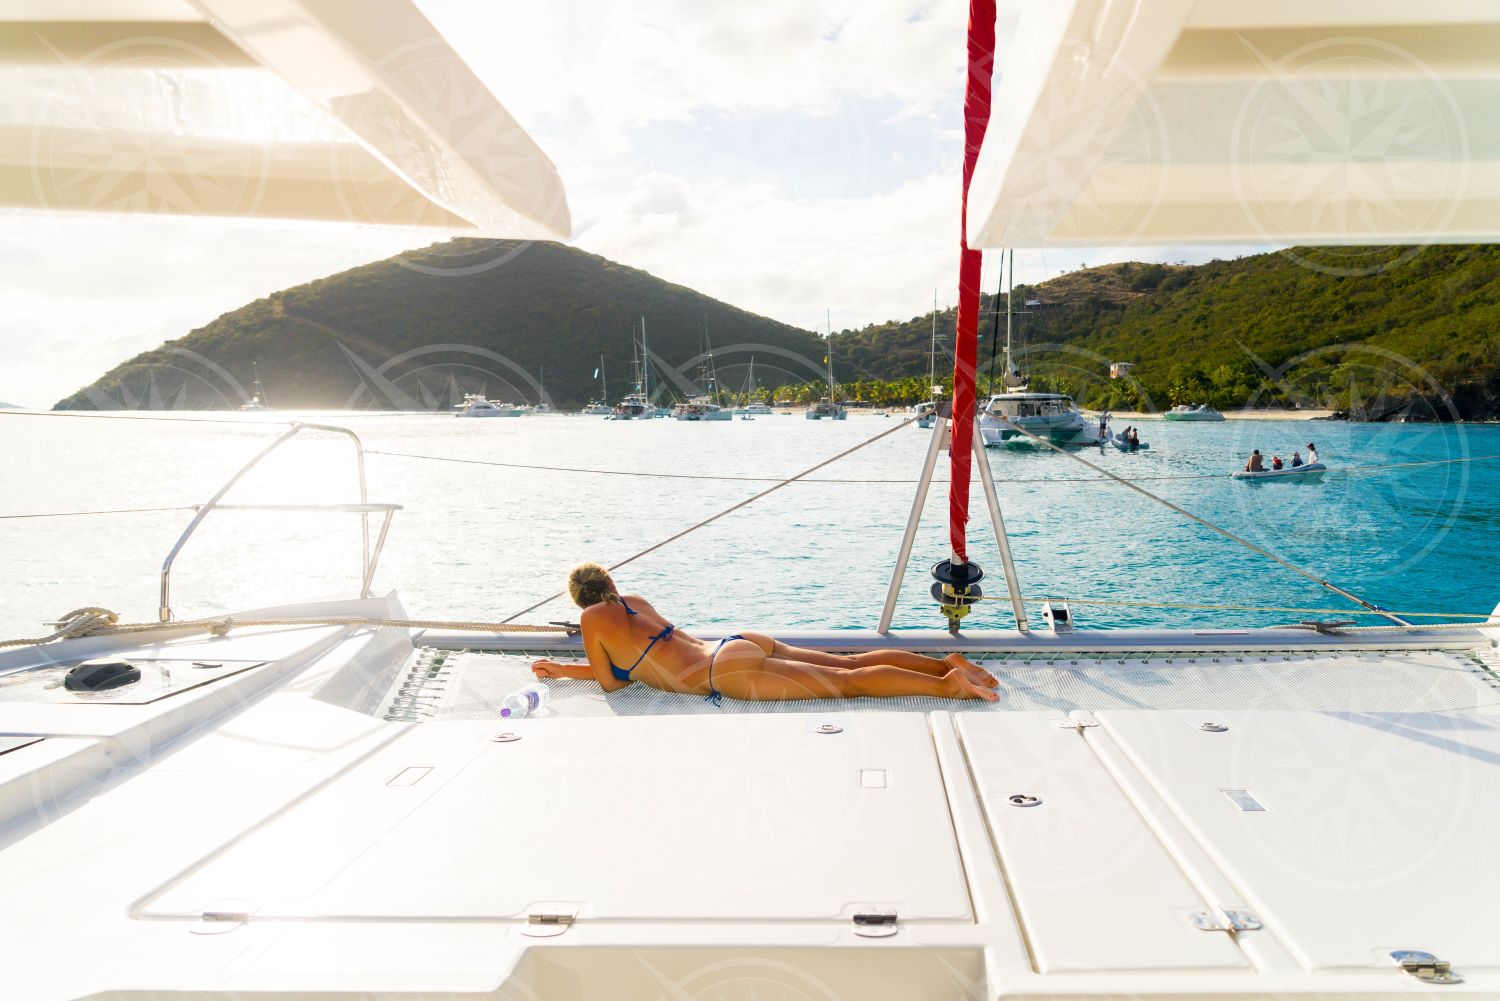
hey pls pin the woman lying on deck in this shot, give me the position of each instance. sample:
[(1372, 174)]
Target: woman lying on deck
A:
[(627, 630)]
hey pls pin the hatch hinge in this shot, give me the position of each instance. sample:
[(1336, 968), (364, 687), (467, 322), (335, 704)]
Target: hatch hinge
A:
[(548, 925), (1079, 719), (1425, 967), (875, 924), (1224, 919)]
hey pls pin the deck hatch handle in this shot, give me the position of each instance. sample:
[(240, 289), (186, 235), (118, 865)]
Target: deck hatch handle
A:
[(549, 924), (1425, 967), (1225, 919), (221, 922), (1244, 800), (875, 923)]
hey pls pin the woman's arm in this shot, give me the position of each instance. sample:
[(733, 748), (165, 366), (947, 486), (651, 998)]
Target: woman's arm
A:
[(597, 668), (557, 669)]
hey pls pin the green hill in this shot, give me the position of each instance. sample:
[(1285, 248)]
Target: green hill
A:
[(419, 330), (1419, 337)]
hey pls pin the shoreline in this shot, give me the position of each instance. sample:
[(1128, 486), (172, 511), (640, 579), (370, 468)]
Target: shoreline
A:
[(1235, 415)]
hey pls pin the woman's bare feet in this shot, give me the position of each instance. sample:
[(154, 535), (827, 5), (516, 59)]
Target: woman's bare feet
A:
[(973, 670), (962, 686)]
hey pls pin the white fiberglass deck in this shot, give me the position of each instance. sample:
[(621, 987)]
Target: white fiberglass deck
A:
[(1080, 840)]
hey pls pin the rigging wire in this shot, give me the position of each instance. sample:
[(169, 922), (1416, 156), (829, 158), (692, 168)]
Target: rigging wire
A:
[(1344, 470), (1215, 528), (80, 514), (729, 510), (99, 415)]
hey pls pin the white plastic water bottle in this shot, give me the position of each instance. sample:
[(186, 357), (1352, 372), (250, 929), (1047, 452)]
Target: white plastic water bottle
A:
[(524, 702)]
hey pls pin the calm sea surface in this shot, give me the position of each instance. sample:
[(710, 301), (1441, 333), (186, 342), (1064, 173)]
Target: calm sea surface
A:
[(477, 541)]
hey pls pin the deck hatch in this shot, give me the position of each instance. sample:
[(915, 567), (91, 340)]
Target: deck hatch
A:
[(1372, 815), (1067, 836), (689, 818)]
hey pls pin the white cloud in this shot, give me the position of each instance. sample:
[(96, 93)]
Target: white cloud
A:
[(781, 156)]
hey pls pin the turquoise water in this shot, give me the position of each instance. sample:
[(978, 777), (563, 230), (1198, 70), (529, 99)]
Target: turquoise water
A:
[(478, 541)]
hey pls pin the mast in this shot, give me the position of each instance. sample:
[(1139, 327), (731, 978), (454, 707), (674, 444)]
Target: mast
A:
[(635, 360), (828, 355), (1012, 372), (645, 363), (932, 352), (603, 380)]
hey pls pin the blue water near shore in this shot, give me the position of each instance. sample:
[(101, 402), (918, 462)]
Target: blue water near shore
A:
[(477, 541)]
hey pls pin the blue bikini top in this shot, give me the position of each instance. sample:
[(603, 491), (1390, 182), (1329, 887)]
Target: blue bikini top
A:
[(624, 675)]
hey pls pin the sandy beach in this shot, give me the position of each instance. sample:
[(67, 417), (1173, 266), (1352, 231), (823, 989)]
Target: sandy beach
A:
[(1236, 415)]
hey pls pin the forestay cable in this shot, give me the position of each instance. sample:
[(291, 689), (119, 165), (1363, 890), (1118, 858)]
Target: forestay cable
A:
[(729, 510)]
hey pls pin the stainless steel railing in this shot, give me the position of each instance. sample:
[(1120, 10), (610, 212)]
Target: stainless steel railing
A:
[(369, 557)]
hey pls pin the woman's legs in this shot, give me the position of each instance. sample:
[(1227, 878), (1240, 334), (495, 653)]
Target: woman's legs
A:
[(743, 671), (904, 659)]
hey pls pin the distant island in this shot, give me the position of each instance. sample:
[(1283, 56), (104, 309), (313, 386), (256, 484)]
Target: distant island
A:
[(1410, 333)]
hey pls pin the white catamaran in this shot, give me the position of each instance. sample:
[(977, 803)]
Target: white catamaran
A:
[(1019, 417), (321, 800)]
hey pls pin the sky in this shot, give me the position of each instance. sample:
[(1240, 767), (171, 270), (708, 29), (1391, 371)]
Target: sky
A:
[(786, 156)]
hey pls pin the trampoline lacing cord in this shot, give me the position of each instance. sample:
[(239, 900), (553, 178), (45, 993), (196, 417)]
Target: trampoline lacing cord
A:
[(1134, 603), (103, 622), (1481, 618)]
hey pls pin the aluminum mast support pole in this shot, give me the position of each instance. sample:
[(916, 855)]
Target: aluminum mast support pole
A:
[(997, 521), (934, 449)]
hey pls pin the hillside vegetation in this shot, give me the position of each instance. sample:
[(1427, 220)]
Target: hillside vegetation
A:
[(1416, 336), (419, 330)]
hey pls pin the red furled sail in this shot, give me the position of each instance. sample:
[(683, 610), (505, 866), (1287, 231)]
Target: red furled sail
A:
[(976, 120)]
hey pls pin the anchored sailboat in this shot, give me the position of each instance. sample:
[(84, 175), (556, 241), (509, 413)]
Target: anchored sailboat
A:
[(705, 406), (594, 408), (257, 399), (751, 407), (829, 408)]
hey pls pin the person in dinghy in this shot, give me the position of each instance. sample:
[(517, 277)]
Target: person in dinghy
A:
[(626, 630)]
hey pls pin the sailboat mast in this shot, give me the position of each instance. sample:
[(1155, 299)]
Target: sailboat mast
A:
[(1010, 295), (932, 350), (645, 363), (635, 360), (828, 355), (603, 381)]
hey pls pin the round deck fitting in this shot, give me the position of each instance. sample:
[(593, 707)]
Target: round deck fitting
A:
[(1023, 799), (829, 728), (506, 738), (1213, 727)]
